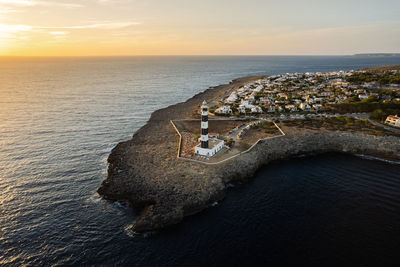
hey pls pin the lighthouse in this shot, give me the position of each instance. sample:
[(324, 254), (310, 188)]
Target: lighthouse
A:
[(207, 147), (204, 125)]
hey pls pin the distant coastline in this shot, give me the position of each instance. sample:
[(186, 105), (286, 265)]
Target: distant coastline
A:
[(377, 55)]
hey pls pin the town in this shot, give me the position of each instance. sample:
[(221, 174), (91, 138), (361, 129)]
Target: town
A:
[(306, 93), (257, 104)]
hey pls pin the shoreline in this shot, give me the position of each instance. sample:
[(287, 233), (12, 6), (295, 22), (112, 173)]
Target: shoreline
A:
[(146, 172)]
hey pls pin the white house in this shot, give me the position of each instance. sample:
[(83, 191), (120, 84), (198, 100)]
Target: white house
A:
[(258, 89), (256, 109), (246, 104), (224, 110), (215, 145), (318, 100), (393, 120), (291, 107), (317, 106), (371, 85), (265, 100), (283, 95), (232, 98), (304, 106), (250, 98), (310, 100), (242, 109), (271, 108)]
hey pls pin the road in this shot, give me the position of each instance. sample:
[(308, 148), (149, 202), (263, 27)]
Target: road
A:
[(363, 116)]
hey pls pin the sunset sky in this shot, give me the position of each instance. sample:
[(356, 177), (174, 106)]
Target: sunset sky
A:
[(207, 27)]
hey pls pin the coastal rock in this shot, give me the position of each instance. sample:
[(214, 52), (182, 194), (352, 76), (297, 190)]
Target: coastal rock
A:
[(146, 171)]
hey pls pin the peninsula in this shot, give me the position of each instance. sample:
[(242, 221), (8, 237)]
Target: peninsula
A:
[(260, 119)]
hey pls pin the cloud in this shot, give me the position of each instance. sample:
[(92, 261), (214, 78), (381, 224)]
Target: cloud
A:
[(8, 10), (55, 4), (38, 3), (59, 33), (105, 25), (6, 28), (10, 30), (17, 2), (113, 1)]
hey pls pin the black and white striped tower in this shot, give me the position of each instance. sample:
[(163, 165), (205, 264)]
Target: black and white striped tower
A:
[(204, 125)]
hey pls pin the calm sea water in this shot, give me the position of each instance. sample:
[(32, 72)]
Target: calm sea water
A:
[(60, 118)]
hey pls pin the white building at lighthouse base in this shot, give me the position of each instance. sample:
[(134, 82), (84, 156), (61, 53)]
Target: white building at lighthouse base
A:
[(214, 145)]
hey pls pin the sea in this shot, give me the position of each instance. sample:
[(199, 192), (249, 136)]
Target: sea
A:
[(60, 118)]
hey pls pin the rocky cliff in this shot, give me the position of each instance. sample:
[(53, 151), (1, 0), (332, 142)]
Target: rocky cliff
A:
[(146, 172)]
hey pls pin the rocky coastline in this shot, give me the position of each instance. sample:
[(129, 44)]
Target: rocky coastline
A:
[(146, 171)]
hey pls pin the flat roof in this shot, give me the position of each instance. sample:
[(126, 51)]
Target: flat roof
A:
[(212, 142)]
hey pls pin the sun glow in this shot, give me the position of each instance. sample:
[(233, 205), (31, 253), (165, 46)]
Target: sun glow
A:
[(17, 2), (4, 28), (127, 27)]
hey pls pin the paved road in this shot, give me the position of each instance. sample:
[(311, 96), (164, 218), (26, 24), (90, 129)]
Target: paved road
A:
[(384, 126), (319, 115), (234, 133), (362, 116)]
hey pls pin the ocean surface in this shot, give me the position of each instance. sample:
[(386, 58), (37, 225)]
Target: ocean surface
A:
[(60, 118)]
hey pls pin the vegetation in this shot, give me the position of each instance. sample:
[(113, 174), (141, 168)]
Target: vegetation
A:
[(390, 107), (268, 127), (381, 115), (387, 92), (259, 95), (341, 123), (378, 114), (382, 78), (229, 142)]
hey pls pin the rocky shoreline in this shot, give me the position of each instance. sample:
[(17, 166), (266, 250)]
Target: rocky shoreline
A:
[(146, 172)]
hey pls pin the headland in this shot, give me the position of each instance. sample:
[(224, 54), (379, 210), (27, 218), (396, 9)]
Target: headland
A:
[(150, 171)]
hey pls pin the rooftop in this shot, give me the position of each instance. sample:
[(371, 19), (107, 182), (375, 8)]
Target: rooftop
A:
[(393, 117), (212, 142)]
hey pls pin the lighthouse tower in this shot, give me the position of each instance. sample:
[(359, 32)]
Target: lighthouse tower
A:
[(207, 147), (204, 125)]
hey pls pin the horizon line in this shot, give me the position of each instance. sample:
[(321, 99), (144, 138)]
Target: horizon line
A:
[(205, 55)]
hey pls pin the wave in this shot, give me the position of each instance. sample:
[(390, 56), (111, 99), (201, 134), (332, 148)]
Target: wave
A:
[(378, 159)]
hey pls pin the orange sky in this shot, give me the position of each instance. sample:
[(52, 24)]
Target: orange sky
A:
[(177, 27)]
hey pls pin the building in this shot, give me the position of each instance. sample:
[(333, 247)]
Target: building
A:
[(291, 107), (232, 98), (213, 135), (304, 106), (207, 147), (224, 110), (270, 108), (317, 106), (242, 109), (393, 120), (256, 109)]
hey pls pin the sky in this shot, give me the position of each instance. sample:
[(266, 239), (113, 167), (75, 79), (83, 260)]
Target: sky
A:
[(192, 27)]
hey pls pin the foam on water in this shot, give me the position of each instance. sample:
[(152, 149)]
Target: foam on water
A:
[(376, 158)]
